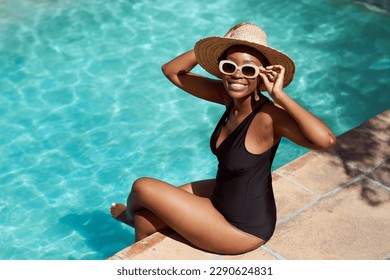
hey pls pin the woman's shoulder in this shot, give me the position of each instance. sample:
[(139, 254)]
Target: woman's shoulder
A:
[(268, 118), (264, 117), (274, 111)]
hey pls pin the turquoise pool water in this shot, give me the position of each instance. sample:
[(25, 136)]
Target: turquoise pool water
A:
[(85, 109)]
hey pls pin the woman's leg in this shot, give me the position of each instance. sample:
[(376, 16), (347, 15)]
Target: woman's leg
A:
[(147, 223), (192, 216)]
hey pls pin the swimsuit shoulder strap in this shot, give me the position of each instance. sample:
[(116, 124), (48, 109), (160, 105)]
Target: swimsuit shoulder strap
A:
[(258, 108)]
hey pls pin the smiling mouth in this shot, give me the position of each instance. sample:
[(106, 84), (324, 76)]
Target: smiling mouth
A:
[(236, 86)]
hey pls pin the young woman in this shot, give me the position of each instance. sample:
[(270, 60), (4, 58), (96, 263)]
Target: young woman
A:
[(235, 212)]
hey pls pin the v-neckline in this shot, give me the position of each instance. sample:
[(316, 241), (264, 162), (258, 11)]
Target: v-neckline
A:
[(225, 120), (224, 125)]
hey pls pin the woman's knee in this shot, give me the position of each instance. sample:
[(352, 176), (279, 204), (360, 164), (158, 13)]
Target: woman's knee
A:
[(134, 199), (140, 185)]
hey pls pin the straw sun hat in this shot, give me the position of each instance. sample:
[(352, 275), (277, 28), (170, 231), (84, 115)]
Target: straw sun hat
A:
[(209, 50)]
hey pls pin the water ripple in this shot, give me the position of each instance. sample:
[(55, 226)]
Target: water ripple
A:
[(85, 109)]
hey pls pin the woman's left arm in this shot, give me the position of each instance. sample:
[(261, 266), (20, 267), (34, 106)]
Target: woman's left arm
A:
[(295, 122)]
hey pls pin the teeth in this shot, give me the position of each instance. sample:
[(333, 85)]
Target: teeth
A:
[(237, 86)]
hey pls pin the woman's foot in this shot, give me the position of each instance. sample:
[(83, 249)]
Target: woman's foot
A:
[(118, 212)]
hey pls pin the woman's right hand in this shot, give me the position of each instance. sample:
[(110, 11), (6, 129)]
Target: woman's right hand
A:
[(231, 31)]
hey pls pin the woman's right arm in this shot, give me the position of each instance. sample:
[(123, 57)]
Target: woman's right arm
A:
[(178, 72)]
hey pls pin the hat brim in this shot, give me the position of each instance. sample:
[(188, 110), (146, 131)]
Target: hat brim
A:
[(209, 50)]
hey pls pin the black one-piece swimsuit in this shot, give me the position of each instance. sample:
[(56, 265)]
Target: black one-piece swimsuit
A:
[(243, 192)]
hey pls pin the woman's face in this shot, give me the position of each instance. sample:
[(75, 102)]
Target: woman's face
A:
[(237, 85)]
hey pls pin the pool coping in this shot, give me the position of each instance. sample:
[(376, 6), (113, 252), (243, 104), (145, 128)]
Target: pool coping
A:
[(330, 203)]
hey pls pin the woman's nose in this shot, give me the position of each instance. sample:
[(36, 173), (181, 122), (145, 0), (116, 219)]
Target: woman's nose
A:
[(237, 74)]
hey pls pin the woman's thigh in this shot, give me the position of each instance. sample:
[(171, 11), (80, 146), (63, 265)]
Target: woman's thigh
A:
[(204, 188), (193, 216)]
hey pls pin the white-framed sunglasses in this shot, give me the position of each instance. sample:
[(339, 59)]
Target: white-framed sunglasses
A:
[(228, 67)]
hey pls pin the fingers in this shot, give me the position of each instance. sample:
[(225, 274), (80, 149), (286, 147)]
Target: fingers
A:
[(269, 73), (279, 69), (272, 72), (273, 77), (275, 68), (240, 24), (229, 33), (266, 80)]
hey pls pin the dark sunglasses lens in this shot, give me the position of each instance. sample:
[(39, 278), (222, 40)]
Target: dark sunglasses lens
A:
[(248, 71), (229, 68)]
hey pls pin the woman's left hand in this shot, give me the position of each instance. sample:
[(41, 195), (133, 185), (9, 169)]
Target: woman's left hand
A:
[(273, 78), (294, 122)]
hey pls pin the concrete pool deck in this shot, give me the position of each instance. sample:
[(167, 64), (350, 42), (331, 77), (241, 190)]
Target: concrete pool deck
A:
[(332, 204)]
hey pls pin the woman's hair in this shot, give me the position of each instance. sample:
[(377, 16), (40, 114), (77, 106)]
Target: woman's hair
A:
[(256, 53)]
